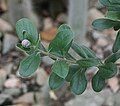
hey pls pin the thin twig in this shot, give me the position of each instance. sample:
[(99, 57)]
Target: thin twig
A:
[(56, 57)]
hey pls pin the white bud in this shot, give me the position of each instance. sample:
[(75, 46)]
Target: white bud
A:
[(26, 43)]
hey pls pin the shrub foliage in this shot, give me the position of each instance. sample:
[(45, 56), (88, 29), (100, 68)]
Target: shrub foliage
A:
[(66, 67)]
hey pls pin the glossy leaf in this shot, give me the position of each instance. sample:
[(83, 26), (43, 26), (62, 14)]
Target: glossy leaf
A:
[(55, 81), (60, 68), (83, 51), (79, 82), (26, 25), (98, 83), (29, 65), (107, 70), (113, 57), (116, 45), (72, 70), (89, 62), (62, 42)]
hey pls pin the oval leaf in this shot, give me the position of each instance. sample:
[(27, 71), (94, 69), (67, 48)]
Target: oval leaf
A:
[(83, 51), (72, 70), (79, 82), (60, 68), (101, 24), (98, 83), (29, 65), (55, 81), (62, 42), (107, 70), (89, 62), (26, 25)]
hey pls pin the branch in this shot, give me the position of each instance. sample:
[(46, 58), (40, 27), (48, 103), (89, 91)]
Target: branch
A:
[(56, 57)]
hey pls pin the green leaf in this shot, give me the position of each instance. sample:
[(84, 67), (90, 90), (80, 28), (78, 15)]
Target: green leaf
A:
[(55, 81), (26, 25), (104, 23), (79, 82), (113, 57), (89, 62), (62, 42), (72, 70), (29, 50), (115, 15), (29, 65), (105, 2), (116, 45), (108, 70), (98, 83), (112, 5), (115, 1), (64, 27), (83, 51), (38, 45), (60, 68), (115, 7), (19, 45), (69, 56)]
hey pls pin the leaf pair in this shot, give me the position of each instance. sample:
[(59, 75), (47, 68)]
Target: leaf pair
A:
[(26, 30), (59, 72), (77, 79), (75, 75), (112, 19)]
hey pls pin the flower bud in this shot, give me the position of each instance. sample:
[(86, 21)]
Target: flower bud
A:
[(26, 43)]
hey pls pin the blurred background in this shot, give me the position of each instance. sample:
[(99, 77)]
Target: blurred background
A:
[(47, 15)]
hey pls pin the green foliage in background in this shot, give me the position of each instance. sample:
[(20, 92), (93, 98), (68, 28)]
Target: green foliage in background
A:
[(65, 67)]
